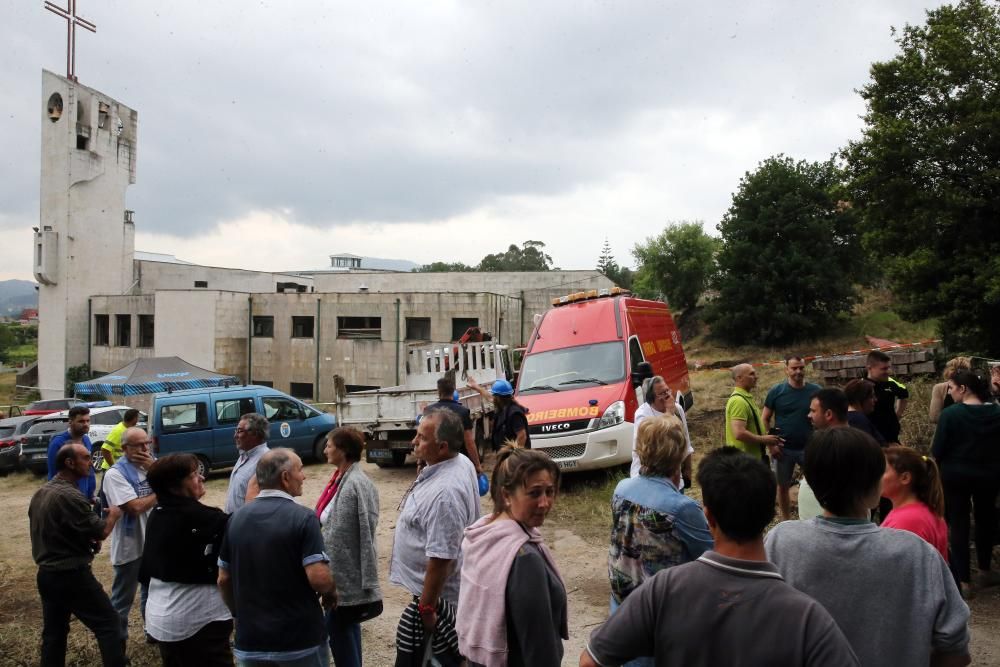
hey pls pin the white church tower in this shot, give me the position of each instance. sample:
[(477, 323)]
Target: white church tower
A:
[(85, 240)]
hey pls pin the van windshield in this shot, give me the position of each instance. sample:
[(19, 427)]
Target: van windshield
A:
[(571, 367)]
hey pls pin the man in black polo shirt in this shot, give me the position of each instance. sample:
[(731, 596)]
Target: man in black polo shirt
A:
[(273, 570), (891, 396), (731, 605), (65, 532), (446, 400)]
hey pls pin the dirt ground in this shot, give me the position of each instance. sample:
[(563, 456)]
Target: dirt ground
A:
[(580, 548)]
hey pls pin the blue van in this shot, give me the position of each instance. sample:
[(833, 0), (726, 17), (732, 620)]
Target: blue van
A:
[(203, 422)]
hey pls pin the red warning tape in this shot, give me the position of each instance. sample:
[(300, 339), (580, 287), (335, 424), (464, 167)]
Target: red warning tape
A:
[(813, 357)]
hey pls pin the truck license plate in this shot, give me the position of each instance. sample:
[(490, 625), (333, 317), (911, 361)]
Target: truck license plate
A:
[(380, 454), (566, 464), (38, 457)]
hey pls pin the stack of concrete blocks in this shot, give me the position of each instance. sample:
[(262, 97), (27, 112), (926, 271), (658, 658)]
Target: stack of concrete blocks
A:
[(905, 363)]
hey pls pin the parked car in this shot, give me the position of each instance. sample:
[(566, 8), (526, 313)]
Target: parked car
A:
[(35, 443), (50, 406), (11, 430), (203, 421)]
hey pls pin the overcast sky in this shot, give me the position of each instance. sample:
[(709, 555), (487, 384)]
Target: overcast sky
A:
[(272, 134)]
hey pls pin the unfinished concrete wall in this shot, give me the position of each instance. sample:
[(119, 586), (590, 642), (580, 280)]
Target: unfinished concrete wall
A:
[(185, 326), (109, 354), (303, 340), (152, 276), (232, 322), (537, 288), (367, 356)]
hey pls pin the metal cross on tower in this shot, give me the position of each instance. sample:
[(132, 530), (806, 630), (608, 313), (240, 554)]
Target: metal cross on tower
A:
[(72, 20)]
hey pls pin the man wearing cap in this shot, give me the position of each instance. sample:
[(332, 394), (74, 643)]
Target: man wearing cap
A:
[(510, 421)]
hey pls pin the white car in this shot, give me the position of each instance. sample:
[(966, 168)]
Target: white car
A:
[(35, 443)]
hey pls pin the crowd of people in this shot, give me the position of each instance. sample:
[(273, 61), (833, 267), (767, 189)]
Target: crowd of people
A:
[(690, 583)]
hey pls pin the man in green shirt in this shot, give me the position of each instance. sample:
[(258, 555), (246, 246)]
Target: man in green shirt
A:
[(744, 426), (111, 450)]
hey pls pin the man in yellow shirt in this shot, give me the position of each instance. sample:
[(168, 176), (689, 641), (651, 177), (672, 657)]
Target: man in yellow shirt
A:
[(744, 426), (111, 450)]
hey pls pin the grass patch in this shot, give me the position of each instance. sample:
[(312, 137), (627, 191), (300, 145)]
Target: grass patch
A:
[(22, 353), (584, 502)]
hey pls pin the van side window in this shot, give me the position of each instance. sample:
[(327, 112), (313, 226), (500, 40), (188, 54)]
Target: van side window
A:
[(230, 410), (281, 409), (634, 353), (184, 417)]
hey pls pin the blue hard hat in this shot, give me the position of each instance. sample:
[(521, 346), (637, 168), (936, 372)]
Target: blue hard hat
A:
[(502, 388)]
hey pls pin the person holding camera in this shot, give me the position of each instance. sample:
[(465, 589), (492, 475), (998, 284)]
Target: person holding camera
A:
[(788, 404)]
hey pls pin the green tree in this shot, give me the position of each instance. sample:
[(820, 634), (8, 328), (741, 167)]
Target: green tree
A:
[(606, 264), (676, 264), (926, 172), (76, 374), (529, 257), (789, 254), (8, 339), (443, 267)]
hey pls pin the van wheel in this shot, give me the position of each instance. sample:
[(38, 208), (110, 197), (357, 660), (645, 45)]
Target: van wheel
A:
[(204, 467), (318, 455)]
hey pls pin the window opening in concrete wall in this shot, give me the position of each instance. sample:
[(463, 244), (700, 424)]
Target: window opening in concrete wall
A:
[(55, 107), (201, 283), (230, 410), (418, 328), (302, 390), (263, 326), (359, 327), (459, 325), (82, 124), (123, 330), (145, 331), (102, 330), (262, 383), (302, 326)]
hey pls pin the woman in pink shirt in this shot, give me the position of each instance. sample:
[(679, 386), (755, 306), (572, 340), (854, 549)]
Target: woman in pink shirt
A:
[(913, 484)]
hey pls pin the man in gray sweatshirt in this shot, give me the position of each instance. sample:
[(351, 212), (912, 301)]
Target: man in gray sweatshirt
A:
[(890, 591)]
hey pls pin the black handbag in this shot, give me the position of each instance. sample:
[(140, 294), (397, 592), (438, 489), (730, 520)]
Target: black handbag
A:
[(359, 613)]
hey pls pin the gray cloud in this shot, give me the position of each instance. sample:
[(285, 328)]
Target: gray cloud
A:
[(388, 112)]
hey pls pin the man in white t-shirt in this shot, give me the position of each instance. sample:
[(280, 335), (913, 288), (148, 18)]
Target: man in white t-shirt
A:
[(659, 400), (125, 486)]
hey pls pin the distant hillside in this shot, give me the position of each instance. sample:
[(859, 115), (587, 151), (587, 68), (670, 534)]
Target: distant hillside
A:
[(16, 295)]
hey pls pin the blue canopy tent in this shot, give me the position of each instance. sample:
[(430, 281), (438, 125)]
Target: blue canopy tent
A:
[(151, 375)]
